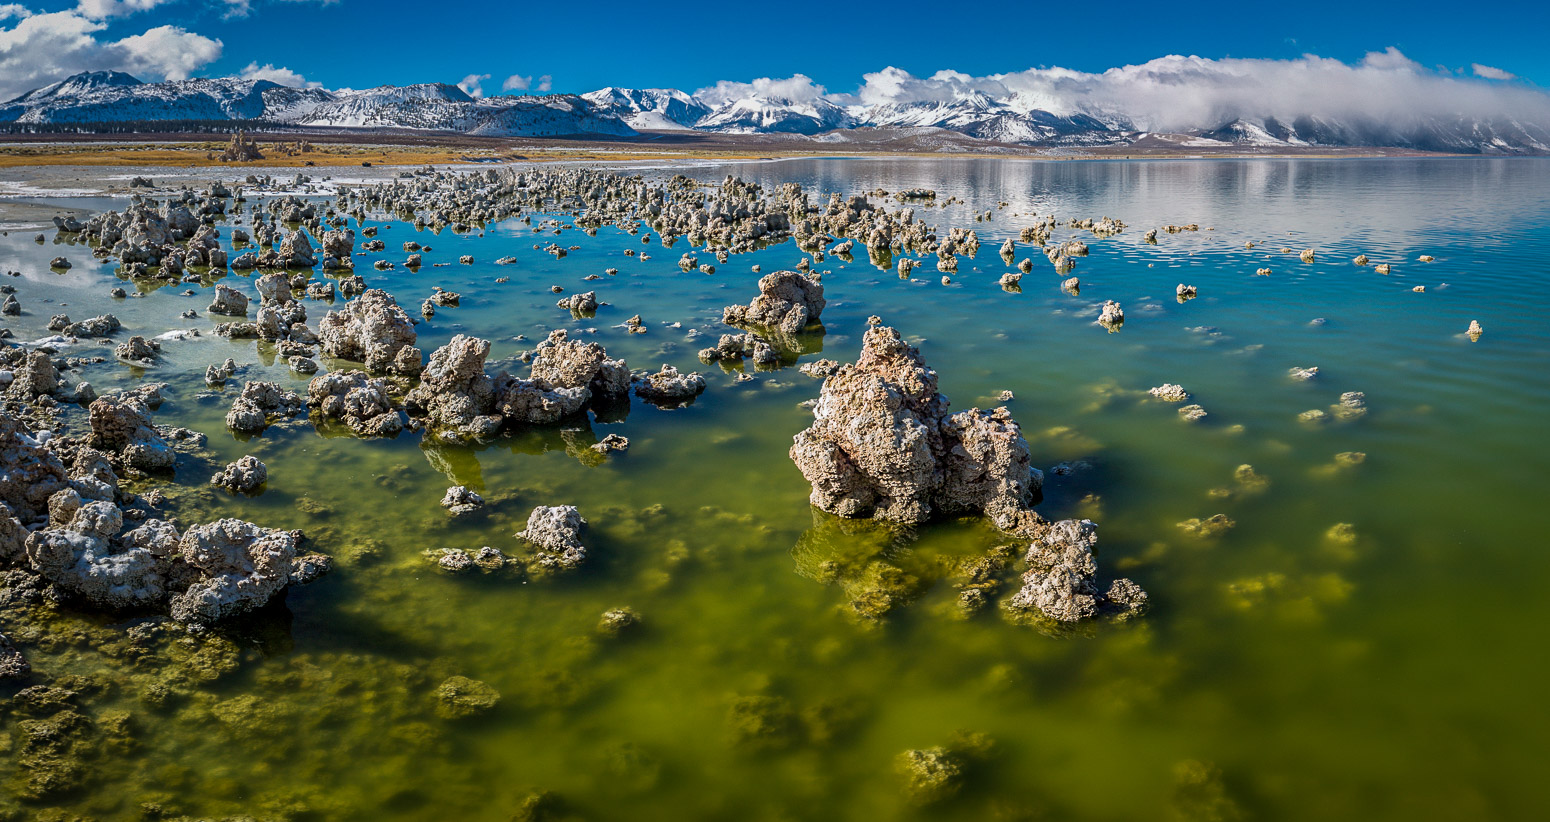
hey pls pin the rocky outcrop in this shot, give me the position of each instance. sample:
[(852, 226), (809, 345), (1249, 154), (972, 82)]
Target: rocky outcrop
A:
[(259, 405), (138, 350), (1112, 316), (359, 401), (560, 362), (374, 330), (582, 304), (460, 499), (121, 426), (883, 445), (240, 567), (228, 301), (455, 398), (29, 475), (83, 555), (668, 387), (246, 475), (788, 301), (555, 534), (1061, 582)]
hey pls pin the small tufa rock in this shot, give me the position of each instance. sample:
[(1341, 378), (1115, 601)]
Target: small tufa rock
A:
[(246, 475), (460, 499), (1168, 392), (611, 443), (555, 533), (1112, 316), (1475, 330)]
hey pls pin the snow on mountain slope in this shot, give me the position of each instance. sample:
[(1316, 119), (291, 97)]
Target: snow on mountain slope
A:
[(107, 97), (649, 108), (96, 97), (762, 115), (1031, 115)]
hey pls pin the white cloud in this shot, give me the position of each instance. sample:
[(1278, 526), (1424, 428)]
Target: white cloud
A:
[(168, 51), (1492, 73), (43, 48), (518, 82), (10, 10), (471, 85), (103, 9), (1178, 93), (273, 74), (798, 88)]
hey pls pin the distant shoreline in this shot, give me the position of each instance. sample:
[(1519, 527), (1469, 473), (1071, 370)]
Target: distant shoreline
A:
[(397, 148)]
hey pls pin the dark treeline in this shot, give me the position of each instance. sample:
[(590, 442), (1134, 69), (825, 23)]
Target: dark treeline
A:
[(145, 127)]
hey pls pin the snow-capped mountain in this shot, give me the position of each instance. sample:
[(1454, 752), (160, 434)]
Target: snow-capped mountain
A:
[(654, 109), (115, 97), (765, 115), (111, 96), (978, 115), (1019, 117)]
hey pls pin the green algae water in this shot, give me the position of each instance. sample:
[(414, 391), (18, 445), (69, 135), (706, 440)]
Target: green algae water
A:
[(1364, 644)]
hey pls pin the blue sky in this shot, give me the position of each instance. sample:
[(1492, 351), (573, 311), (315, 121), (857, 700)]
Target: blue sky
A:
[(583, 46)]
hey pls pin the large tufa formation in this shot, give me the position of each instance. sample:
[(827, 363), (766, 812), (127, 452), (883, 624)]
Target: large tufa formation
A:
[(67, 528), (121, 426), (241, 149), (357, 400), (883, 445), (374, 330), (458, 401), (788, 301), (259, 405)]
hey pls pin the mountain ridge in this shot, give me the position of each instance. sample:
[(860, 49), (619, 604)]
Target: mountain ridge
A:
[(108, 97)]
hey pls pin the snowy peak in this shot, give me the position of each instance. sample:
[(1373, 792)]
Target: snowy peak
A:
[(1028, 114), (764, 115), (661, 109)]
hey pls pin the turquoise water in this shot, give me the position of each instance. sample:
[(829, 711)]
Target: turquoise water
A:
[(1282, 673)]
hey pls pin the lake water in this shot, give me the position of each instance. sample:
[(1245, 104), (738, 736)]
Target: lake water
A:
[(1283, 672)]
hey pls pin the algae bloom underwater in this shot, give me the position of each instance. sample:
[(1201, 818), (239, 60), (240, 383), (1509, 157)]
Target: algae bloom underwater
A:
[(923, 487)]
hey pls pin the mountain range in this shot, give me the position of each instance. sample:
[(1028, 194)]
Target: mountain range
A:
[(107, 97)]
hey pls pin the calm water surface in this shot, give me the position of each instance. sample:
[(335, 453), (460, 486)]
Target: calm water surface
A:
[(1281, 673)]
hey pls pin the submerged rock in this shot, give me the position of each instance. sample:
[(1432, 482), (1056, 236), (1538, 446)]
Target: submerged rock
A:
[(883, 445), (460, 698)]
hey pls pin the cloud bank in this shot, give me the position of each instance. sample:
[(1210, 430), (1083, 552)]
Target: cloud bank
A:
[(39, 49), (1177, 93)]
